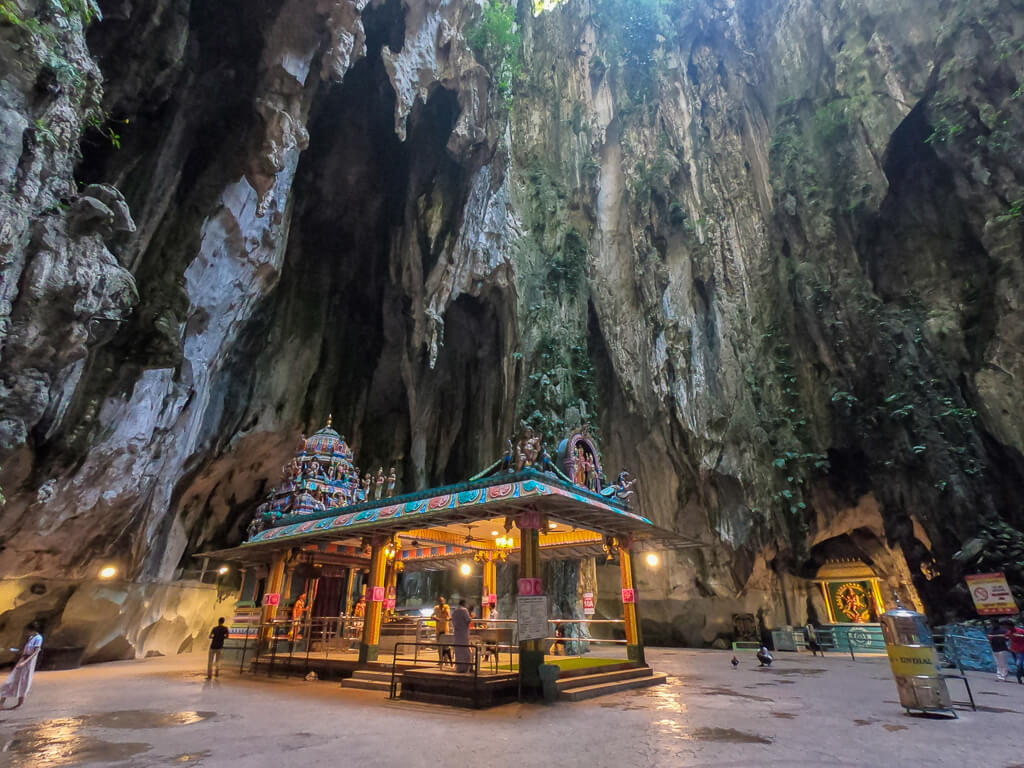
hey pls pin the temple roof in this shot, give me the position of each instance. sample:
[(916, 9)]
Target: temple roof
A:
[(487, 498)]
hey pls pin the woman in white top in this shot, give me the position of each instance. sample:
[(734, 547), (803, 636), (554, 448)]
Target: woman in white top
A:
[(20, 679)]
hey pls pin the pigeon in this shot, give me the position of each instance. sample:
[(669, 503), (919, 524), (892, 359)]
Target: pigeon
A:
[(735, 662)]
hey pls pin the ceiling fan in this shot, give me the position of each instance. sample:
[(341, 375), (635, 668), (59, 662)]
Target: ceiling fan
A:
[(470, 538)]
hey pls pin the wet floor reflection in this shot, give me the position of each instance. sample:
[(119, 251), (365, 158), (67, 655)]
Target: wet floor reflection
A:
[(190, 758), (728, 735), (144, 718), (61, 743), (65, 741)]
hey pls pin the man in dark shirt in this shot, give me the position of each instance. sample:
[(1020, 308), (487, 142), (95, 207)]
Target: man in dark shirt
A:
[(217, 637)]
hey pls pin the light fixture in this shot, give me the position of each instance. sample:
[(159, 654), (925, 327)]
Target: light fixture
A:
[(465, 569), (494, 533), (108, 572), (652, 559), (552, 525), (222, 570)]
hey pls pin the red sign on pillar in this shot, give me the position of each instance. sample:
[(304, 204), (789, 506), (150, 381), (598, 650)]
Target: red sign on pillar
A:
[(272, 598), (588, 604), (530, 587), (628, 596), (377, 595)]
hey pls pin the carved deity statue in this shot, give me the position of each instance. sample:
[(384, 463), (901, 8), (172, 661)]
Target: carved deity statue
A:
[(378, 483), (367, 479), (392, 481)]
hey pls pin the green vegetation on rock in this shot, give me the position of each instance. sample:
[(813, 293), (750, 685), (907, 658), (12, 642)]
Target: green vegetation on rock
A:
[(497, 41)]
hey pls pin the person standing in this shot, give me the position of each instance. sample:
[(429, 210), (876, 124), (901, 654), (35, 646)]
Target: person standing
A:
[(492, 632), (461, 619), (1017, 650), (998, 638), (442, 615), (217, 637), (20, 680)]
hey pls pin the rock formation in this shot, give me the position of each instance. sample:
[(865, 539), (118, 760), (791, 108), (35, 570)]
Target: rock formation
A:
[(771, 250)]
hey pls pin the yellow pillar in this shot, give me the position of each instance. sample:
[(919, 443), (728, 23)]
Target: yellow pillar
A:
[(634, 641), (241, 584), (275, 580), (374, 603), (286, 589), (350, 588), (490, 582), (391, 581), (531, 652)]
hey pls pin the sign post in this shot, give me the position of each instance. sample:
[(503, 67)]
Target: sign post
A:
[(991, 594), (532, 617), (588, 604)]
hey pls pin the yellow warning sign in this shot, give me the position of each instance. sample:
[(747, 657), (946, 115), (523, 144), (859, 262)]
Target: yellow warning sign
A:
[(991, 594), (910, 660)]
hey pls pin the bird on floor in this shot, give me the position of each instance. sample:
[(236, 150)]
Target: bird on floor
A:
[(735, 662)]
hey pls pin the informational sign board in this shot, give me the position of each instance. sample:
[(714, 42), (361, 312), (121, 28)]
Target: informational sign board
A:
[(377, 595), (588, 604), (529, 587), (272, 598), (628, 596), (389, 604), (991, 594), (532, 616), (492, 599)]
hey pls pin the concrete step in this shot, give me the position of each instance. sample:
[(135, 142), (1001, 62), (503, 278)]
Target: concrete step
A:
[(581, 681), (366, 685), (368, 680), (373, 674), (602, 689)]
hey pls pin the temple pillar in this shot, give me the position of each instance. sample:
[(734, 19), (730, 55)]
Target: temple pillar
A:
[(241, 584), (391, 584), (634, 640), (374, 602), (275, 580), (490, 583), (531, 652), (350, 588), (286, 589)]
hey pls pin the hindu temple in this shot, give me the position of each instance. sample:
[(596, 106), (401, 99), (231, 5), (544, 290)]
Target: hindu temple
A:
[(332, 548)]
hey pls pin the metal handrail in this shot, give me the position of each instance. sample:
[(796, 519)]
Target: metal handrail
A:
[(586, 621), (393, 688)]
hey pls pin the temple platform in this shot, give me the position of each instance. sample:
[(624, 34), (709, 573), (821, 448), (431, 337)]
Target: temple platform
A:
[(494, 684)]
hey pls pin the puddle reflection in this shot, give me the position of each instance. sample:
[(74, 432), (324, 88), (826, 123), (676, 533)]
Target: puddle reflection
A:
[(62, 741)]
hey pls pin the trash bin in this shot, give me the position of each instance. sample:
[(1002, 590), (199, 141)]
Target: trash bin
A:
[(549, 681), (911, 648)]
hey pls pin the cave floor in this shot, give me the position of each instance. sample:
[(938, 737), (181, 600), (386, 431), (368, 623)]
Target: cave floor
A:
[(832, 711)]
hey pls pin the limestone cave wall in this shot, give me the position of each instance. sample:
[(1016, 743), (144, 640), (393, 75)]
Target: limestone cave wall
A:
[(770, 250)]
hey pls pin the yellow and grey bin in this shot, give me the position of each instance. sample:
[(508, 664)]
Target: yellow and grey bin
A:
[(911, 649)]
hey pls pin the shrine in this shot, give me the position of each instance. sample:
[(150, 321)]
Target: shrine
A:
[(325, 551)]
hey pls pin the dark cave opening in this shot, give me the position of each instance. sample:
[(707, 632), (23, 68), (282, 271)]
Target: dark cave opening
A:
[(922, 246)]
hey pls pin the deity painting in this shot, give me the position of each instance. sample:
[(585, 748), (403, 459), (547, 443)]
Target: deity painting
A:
[(852, 602)]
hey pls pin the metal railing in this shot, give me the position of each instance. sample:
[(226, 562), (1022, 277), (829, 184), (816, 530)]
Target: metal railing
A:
[(306, 638), (441, 647), (294, 644)]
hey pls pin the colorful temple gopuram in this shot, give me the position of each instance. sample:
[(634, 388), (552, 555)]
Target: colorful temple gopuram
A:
[(321, 476), (325, 551)]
